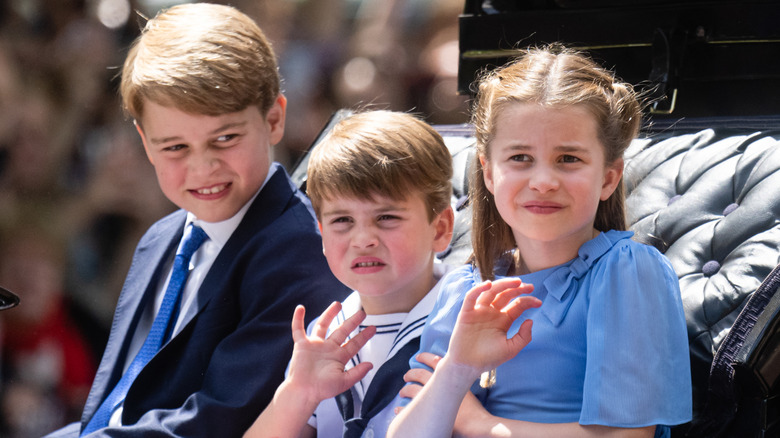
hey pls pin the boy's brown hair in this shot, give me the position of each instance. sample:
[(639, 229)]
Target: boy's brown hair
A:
[(202, 59), (383, 153)]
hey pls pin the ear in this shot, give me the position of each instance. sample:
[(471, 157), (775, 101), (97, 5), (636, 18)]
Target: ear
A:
[(443, 225), (612, 176), (143, 140), (275, 118), (487, 173)]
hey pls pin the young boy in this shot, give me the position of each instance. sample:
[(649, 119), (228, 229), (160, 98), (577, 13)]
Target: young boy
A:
[(201, 83), (380, 183)]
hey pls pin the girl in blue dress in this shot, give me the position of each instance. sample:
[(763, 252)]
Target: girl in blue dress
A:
[(609, 354)]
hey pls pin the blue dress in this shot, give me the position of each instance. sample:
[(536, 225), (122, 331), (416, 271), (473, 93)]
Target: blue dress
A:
[(609, 345)]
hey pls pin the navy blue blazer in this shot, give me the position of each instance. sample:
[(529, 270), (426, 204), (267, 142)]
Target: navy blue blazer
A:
[(219, 372)]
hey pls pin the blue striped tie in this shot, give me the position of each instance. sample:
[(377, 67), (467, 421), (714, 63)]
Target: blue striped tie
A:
[(161, 327)]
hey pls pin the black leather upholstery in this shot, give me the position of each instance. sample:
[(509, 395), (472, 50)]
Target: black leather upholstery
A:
[(710, 200)]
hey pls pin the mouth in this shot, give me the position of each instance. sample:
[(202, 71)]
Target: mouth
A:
[(367, 264), (542, 207), (213, 190)]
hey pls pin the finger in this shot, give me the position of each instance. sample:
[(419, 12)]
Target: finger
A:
[(505, 297), (418, 375), (508, 283), (410, 391), (348, 326), (356, 373), (298, 329), (357, 342), (321, 328), (470, 300), (428, 359), (522, 337), (487, 298), (520, 305), (527, 288)]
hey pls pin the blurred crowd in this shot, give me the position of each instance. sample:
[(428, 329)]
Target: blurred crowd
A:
[(76, 190)]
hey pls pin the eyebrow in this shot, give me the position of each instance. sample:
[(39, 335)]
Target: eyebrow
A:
[(381, 210), (561, 148), (571, 148), (225, 127)]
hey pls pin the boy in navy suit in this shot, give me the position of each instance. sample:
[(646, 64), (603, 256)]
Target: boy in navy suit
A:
[(200, 341), (380, 183)]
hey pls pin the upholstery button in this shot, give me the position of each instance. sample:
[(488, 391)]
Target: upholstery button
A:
[(673, 199), (730, 208), (710, 268)]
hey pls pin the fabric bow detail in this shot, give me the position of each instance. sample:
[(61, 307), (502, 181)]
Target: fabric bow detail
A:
[(563, 284)]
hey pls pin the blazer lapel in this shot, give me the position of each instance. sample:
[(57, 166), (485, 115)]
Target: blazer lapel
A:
[(141, 281), (267, 206)]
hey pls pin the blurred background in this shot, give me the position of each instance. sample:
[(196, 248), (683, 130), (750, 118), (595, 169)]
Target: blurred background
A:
[(76, 190)]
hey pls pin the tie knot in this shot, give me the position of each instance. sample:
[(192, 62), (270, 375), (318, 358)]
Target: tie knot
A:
[(354, 427), (194, 236)]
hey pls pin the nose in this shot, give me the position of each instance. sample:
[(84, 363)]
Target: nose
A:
[(203, 163), (543, 179), (364, 237)]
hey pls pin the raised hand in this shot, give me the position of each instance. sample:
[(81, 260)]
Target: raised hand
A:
[(479, 340), (318, 360)]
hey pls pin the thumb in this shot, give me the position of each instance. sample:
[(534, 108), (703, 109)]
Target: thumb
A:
[(356, 373), (522, 337)]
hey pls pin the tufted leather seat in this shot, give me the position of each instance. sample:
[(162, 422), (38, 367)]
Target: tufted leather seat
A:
[(710, 200)]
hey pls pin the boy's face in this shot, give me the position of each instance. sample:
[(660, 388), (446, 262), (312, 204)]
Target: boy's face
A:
[(384, 248), (211, 165)]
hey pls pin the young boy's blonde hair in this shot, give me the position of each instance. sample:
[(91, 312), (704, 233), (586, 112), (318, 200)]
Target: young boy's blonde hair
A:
[(202, 59), (383, 153)]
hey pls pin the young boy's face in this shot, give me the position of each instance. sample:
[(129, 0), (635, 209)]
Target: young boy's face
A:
[(384, 248), (211, 165)]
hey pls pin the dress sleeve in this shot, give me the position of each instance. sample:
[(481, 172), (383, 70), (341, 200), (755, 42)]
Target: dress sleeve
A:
[(638, 367), (438, 328)]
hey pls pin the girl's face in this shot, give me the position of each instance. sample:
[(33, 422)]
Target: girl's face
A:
[(547, 173)]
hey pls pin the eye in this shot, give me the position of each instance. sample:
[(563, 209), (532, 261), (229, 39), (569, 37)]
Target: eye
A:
[(388, 220), (520, 158), (174, 148), (226, 139), (570, 159), (341, 220)]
